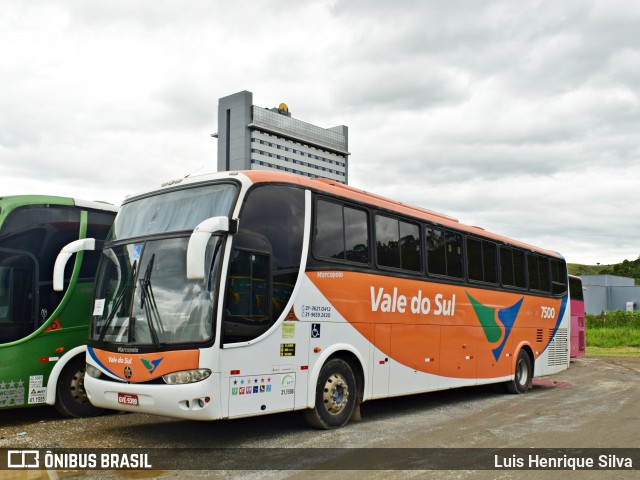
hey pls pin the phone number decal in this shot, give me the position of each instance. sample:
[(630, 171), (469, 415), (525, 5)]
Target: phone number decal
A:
[(315, 311)]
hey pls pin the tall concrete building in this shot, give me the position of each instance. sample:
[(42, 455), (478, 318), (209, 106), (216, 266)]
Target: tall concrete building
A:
[(257, 138)]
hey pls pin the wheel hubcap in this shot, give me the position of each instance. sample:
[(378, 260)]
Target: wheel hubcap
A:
[(77, 387), (336, 394), (522, 374)]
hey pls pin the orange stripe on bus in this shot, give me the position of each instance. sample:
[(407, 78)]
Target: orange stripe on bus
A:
[(411, 321)]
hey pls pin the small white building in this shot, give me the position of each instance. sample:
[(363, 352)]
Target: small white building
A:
[(609, 292)]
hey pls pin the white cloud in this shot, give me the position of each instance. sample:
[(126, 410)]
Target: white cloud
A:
[(519, 117)]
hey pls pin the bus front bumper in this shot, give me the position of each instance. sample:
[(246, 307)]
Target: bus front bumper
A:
[(193, 401)]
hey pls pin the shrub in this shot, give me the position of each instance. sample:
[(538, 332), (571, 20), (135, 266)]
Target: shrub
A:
[(613, 319), (608, 337)]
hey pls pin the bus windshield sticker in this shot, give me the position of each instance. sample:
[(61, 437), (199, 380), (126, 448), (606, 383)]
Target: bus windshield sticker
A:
[(137, 250), (98, 306)]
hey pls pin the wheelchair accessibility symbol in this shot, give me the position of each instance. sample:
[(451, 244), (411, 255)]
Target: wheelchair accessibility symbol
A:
[(315, 330)]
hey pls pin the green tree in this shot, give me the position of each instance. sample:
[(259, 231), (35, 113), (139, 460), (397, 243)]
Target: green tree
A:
[(628, 268)]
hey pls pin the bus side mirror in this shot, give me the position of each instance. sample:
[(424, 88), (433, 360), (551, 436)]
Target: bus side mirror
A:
[(64, 255), (198, 243)]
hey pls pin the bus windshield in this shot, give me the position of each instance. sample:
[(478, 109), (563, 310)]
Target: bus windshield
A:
[(143, 296), (173, 211)]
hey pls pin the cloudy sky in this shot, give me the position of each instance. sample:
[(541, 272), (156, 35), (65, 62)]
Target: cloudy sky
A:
[(520, 117)]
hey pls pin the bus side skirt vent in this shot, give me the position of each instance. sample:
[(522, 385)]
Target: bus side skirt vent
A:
[(558, 348)]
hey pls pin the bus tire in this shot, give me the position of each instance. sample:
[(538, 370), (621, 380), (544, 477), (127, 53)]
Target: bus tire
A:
[(71, 397), (336, 396), (523, 374)]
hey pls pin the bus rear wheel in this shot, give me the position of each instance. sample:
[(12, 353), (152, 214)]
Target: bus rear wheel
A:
[(71, 397), (523, 374), (335, 396)]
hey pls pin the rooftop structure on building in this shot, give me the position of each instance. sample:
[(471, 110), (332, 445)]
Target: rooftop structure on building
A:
[(257, 138)]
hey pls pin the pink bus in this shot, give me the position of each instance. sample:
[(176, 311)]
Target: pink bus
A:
[(576, 296)]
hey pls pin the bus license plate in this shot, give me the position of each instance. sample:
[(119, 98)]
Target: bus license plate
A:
[(128, 399)]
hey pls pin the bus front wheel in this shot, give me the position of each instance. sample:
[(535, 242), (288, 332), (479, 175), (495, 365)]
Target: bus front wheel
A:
[(71, 397), (335, 396), (523, 374)]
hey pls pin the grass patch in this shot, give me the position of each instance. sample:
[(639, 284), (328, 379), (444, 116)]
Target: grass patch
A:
[(612, 352), (613, 337), (613, 319), (614, 334)]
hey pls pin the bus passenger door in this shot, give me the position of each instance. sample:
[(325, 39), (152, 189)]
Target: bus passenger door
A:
[(381, 363)]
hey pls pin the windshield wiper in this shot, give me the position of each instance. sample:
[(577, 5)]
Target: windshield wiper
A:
[(148, 302), (119, 300)]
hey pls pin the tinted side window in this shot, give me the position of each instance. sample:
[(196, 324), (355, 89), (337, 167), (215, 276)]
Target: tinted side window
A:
[(454, 255), (474, 259), (543, 267), (410, 247), (519, 269), (436, 251), (532, 270), (397, 244), (489, 263), (558, 277), (341, 232), (329, 238), (506, 266), (30, 241), (249, 287), (356, 235), (512, 267), (444, 252), (481, 260), (575, 289), (387, 242), (264, 262), (538, 268), (99, 224)]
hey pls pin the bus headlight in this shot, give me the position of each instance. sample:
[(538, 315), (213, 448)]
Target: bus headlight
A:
[(93, 371), (186, 376)]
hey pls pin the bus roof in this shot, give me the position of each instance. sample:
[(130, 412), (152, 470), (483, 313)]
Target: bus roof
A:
[(13, 201), (360, 196)]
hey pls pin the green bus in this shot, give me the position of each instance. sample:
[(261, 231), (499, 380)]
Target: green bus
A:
[(43, 331)]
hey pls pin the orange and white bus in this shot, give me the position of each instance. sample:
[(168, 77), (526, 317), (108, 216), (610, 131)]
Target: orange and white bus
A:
[(245, 293)]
